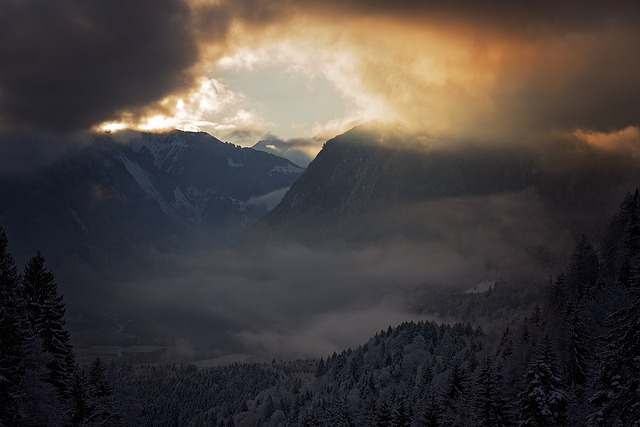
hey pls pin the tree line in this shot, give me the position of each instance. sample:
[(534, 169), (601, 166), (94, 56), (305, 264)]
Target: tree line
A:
[(573, 360), (40, 381)]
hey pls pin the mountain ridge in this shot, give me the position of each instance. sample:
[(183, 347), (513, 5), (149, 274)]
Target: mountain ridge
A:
[(130, 195)]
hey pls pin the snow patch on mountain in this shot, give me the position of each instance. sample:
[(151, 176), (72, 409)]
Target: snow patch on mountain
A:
[(165, 152), (484, 286), (233, 164), (239, 204), (145, 181), (194, 201), (78, 221), (286, 169)]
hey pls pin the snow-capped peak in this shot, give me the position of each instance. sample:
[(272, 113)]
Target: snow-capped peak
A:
[(165, 149)]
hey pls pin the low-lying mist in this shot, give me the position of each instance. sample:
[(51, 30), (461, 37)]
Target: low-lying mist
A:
[(289, 300), (327, 276)]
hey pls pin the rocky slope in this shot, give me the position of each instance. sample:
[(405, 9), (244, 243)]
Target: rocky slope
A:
[(123, 198)]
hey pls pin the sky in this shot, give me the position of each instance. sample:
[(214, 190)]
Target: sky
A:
[(307, 70)]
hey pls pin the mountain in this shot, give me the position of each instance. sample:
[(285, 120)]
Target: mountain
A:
[(366, 165), (122, 198), (292, 150), (376, 183)]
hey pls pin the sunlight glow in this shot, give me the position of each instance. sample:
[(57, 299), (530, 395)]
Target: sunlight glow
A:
[(306, 55), (190, 112), (626, 139)]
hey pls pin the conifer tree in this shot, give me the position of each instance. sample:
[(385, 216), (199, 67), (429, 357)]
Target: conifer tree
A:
[(400, 416), (454, 397), (14, 334), (321, 369), (579, 349), (384, 416), (583, 269), (632, 237), (45, 310), (38, 404), (558, 295), (429, 415), (544, 401), (99, 384), (489, 405), (81, 409), (621, 245), (618, 378)]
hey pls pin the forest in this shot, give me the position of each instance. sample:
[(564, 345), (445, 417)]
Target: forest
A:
[(573, 360)]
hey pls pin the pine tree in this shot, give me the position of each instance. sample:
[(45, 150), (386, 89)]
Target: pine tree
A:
[(38, 404), (621, 245), (384, 416), (583, 269), (454, 398), (558, 295), (429, 414), (617, 381), (489, 405), (544, 401), (632, 237), (80, 401), (400, 416), (45, 310), (579, 349), (456, 385), (322, 369), (14, 335), (99, 395), (426, 377), (369, 415)]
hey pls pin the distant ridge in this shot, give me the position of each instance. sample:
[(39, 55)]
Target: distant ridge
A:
[(125, 196)]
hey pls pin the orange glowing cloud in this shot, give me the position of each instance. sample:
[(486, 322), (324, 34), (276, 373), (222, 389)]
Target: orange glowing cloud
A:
[(505, 71)]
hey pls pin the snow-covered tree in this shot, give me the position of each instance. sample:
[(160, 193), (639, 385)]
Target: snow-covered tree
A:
[(489, 405), (617, 381), (544, 400), (583, 269)]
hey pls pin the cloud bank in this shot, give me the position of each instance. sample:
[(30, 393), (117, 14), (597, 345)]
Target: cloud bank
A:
[(69, 65), (498, 68)]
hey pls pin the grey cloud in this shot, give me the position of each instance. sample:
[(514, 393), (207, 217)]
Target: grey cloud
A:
[(295, 149), (269, 200), (26, 151), (531, 19), (69, 65)]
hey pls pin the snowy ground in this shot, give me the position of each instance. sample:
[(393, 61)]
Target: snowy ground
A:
[(223, 360), (481, 287)]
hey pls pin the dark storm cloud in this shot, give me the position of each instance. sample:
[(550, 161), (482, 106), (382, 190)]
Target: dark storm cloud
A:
[(24, 152), (68, 65), (525, 17), (71, 65)]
